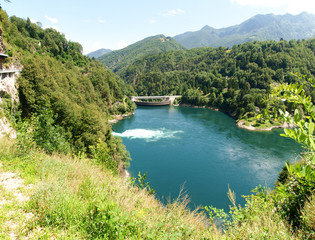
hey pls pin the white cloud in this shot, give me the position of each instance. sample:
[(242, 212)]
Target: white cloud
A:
[(153, 21), (301, 6), (173, 13), (91, 48), (52, 20), (101, 21), (122, 44), (261, 3), (290, 6)]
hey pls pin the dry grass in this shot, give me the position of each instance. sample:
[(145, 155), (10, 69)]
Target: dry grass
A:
[(260, 220), (308, 216), (77, 199), (97, 182)]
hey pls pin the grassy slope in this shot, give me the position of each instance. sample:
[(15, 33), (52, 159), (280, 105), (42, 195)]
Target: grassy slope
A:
[(119, 60), (77, 199)]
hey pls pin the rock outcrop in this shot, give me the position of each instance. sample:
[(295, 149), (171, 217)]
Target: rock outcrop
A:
[(7, 87), (2, 48), (6, 129)]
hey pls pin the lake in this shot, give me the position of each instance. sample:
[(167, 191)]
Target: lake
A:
[(202, 152)]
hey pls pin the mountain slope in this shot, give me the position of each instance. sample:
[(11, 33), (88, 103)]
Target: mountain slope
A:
[(98, 53), (121, 59), (259, 27), (67, 97)]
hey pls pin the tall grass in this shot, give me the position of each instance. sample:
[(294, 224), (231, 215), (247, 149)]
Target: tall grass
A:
[(86, 201), (78, 199)]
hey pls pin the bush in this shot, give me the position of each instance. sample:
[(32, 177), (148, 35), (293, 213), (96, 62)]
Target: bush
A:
[(40, 130), (102, 154)]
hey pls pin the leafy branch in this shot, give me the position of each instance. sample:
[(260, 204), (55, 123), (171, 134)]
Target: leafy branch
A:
[(304, 114)]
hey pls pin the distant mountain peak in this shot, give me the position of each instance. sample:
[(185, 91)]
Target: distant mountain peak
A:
[(207, 28), (259, 27), (98, 53)]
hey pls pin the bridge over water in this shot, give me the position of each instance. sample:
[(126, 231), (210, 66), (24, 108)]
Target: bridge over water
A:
[(161, 100)]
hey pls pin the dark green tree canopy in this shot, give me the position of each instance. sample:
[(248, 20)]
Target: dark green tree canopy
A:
[(79, 93), (239, 76)]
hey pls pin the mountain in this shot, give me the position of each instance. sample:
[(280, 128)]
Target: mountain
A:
[(235, 79), (257, 28), (121, 59), (68, 109), (98, 53)]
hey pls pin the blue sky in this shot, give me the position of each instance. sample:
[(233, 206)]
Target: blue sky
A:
[(117, 23)]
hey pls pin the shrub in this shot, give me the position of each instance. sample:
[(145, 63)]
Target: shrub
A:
[(40, 130)]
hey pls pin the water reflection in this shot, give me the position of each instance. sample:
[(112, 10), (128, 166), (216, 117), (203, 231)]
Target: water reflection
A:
[(206, 151), (220, 122)]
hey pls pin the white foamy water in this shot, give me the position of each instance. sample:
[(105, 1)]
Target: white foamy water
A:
[(149, 135)]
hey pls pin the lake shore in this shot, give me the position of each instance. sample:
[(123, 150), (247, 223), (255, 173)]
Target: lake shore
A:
[(241, 123), (117, 118)]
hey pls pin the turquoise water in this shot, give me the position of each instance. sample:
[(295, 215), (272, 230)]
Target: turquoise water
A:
[(203, 152)]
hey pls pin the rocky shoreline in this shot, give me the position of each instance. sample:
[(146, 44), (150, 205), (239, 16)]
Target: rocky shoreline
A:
[(117, 118), (241, 124)]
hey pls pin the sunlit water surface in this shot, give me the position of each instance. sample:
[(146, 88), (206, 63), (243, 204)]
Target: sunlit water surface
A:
[(203, 152)]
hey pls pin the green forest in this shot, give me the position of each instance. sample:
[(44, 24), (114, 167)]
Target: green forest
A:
[(64, 91), (119, 60), (234, 80)]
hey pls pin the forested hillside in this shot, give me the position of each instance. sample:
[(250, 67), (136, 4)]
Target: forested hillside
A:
[(119, 60), (234, 80), (68, 96), (258, 28)]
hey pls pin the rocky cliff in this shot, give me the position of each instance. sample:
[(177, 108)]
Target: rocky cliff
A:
[(7, 88), (2, 49)]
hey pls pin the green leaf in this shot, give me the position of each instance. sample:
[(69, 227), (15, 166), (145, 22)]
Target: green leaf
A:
[(300, 89), (297, 116), (290, 168), (298, 167), (259, 116), (308, 172), (311, 128), (302, 137)]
